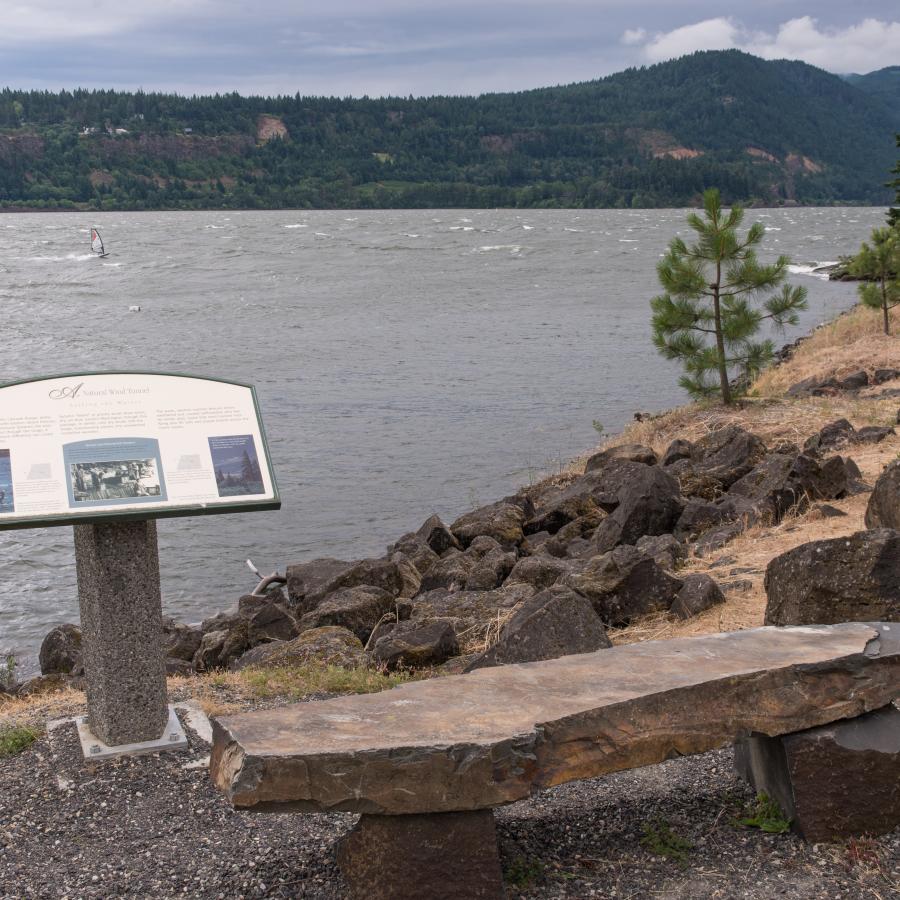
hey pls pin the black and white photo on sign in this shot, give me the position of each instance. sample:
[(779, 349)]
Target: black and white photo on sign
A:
[(114, 479)]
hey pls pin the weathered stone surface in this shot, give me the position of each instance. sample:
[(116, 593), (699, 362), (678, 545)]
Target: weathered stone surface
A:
[(883, 510), (490, 570), (502, 521), (873, 434), (553, 623), (848, 579), (831, 436), (724, 456), (446, 856), (836, 781), (678, 449), (631, 452), (219, 648), (452, 572), (329, 645), (781, 483), (396, 575), (417, 643), (180, 641), (437, 536), (880, 376), (60, 652), (538, 571), (623, 584), (825, 511), (649, 503), (469, 609), (665, 549), (267, 617), (357, 609), (496, 735), (699, 592), (310, 577), (854, 381), (699, 516), (414, 549), (560, 510)]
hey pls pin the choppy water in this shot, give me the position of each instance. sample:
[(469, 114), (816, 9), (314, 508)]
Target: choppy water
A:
[(407, 362)]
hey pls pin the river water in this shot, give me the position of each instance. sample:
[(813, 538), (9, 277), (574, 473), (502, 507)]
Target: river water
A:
[(407, 362)]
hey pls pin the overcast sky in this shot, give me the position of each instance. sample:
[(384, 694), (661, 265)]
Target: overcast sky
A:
[(419, 47)]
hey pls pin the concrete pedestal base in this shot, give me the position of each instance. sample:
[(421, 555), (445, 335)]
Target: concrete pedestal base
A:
[(173, 738), (444, 856), (121, 623), (833, 782)]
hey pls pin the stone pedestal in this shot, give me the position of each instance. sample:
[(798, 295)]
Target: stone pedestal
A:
[(836, 781), (443, 856), (121, 622)]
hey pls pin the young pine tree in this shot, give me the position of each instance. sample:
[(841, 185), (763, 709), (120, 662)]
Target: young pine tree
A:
[(880, 262), (716, 299)]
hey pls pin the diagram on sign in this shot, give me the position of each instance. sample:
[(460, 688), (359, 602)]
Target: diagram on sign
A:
[(120, 470)]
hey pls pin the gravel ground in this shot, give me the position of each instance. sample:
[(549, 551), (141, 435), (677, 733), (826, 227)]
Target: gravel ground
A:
[(155, 827)]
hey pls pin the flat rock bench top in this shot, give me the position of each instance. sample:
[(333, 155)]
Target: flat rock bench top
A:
[(495, 735)]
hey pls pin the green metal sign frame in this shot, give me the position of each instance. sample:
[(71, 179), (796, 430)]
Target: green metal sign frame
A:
[(171, 512)]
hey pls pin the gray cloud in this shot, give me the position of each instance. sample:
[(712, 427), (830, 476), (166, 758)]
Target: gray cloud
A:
[(401, 47)]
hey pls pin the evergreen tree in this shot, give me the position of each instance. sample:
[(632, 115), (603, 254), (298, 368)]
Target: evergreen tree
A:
[(880, 264), (894, 211), (714, 301)]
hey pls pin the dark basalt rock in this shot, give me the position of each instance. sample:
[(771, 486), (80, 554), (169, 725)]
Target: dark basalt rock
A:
[(718, 460), (848, 579), (780, 483), (832, 782), (490, 571), (448, 855), (358, 609), (311, 577), (468, 609), (437, 536), (854, 381), (630, 452), (330, 645), (649, 504), (831, 436), (180, 641), (556, 622), (60, 652), (452, 572), (883, 510), (502, 521), (397, 575), (677, 450), (873, 434), (665, 549), (700, 516), (538, 571), (882, 375), (699, 592), (623, 584), (416, 643)]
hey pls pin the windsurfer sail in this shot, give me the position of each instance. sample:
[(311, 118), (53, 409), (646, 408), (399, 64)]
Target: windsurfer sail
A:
[(97, 243)]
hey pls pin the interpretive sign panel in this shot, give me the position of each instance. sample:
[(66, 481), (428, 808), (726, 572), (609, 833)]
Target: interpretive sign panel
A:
[(120, 445)]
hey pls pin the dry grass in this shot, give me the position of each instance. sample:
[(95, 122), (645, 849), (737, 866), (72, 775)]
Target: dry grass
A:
[(853, 341)]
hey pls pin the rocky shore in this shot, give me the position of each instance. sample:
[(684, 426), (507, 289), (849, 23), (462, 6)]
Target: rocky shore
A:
[(784, 510)]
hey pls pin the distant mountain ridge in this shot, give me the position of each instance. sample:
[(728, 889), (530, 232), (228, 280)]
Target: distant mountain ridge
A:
[(764, 132)]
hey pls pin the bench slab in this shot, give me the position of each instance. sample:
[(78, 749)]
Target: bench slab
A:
[(496, 735)]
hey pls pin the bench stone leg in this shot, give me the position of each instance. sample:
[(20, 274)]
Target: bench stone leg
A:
[(834, 782), (441, 856)]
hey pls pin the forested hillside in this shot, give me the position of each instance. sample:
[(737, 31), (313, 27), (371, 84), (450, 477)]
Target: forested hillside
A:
[(765, 132)]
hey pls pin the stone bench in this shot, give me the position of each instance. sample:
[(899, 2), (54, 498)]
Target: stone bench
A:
[(425, 762)]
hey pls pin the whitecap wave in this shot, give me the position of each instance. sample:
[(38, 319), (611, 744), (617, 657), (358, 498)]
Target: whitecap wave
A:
[(298, 225), (813, 270), (490, 248)]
